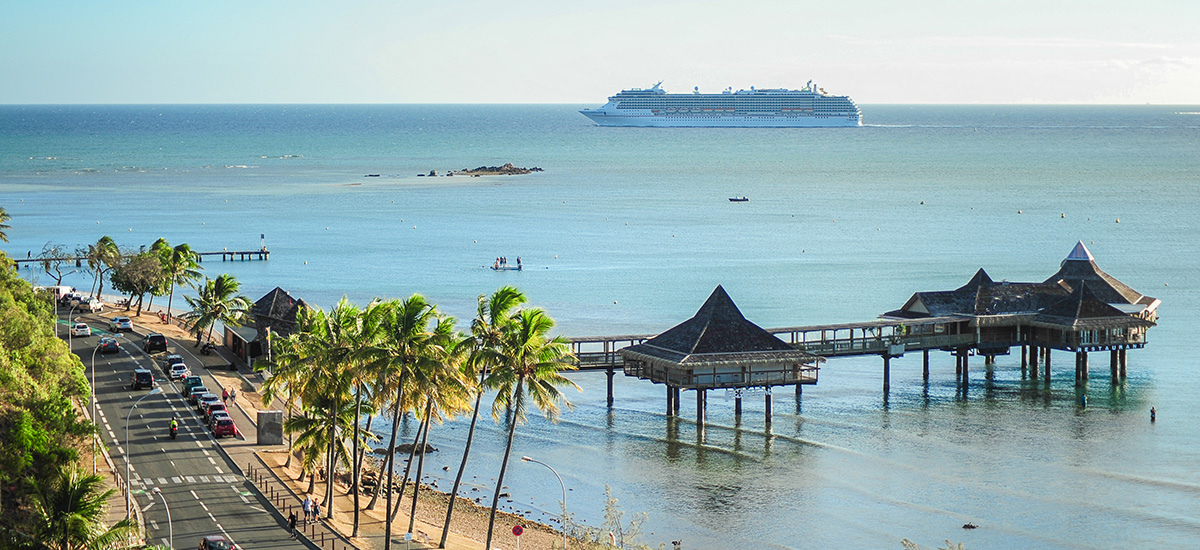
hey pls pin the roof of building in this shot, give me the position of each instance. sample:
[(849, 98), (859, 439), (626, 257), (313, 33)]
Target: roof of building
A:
[(718, 334), (1080, 267), (1082, 309)]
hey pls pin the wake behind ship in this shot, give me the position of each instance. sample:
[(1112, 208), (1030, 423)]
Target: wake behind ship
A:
[(774, 108)]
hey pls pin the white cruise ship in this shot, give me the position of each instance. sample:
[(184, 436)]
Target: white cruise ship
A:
[(775, 108)]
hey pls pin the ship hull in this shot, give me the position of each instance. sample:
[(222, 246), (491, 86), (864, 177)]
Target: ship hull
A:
[(730, 121)]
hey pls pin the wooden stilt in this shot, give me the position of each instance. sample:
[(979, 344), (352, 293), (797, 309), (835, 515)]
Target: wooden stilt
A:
[(677, 400), (737, 403), (925, 365), (1078, 368), (1047, 352), (670, 401), (1083, 365), (767, 404), (1124, 364), (700, 398), (1024, 356), (1113, 368), (610, 386), (958, 359), (966, 377), (887, 373), (799, 390)]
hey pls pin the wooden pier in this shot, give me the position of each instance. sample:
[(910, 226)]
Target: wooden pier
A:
[(1079, 310), (226, 255)]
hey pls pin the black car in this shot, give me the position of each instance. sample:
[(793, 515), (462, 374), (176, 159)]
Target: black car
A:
[(142, 378), (109, 345), (154, 343)]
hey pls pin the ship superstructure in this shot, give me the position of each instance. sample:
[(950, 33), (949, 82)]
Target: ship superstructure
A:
[(763, 108)]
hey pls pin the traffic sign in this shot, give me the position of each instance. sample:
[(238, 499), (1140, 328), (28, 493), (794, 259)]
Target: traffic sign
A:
[(517, 530)]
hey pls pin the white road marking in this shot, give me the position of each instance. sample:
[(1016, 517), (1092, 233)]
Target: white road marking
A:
[(199, 444), (176, 480), (148, 506), (190, 479), (154, 525), (257, 508), (205, 451), (203, 479), (210, 516), (165, 543), (194, 495), (211, 460), (203, 506), (162, 481), (219, 470), (120, 450), (246, 500)]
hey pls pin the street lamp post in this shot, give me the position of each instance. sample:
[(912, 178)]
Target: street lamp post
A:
[(170, 527), (128, 417), (564, 495)]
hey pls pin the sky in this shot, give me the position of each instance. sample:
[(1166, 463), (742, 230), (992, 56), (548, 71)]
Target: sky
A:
[(571, 51)]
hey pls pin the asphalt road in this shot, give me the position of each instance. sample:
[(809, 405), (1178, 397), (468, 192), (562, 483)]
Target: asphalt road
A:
[(202, 488)]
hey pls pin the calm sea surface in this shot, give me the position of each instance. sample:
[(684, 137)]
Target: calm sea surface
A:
[(628, 231)]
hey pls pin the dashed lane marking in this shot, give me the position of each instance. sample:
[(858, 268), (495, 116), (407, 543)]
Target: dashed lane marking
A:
[(203, 506), (203, 479), (162, 481), (154, 525), (148, 506), (211, 460), (190, 479), (176, 480), (194, 495), (219, 470)]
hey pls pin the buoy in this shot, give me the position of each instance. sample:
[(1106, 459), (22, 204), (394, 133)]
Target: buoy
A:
[(1018, 211), (1118, 220), (922, 202), (556, 256), (614, 301), (414, 227), (475, 241), (131, 229), (305, 262), (327, 228), (1062, 215), (97, 222)]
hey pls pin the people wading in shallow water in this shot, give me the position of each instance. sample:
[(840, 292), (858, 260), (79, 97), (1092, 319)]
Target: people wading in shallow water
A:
[(1153, 414)]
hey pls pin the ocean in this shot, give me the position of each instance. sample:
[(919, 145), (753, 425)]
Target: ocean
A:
[(628, 230)]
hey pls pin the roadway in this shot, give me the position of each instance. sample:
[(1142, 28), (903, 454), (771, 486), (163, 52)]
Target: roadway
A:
[(202, 487)]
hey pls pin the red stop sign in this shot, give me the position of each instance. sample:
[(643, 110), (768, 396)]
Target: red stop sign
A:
[(517, 530)]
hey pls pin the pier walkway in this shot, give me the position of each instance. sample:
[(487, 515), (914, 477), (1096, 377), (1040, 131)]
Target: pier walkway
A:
[(226, 255)]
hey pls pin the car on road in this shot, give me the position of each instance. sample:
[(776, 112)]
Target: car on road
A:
[(215, 542), (195, 392), (69, 299), (179, 371), (108, 344), (170, 360), (212, 408), (224, 426), (206, 399), (216, 416), (154, 343), (142, 378), (117, 324), (81, 330), (90, 304), (190, 382)]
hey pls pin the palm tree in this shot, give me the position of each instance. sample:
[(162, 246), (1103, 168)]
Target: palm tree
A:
[(160, 249), (405, 340), (67, 513), (327, 418), (444, 387), (487, 331), (102, 257), (217, 300), (529, 370), (181, 268), (4, 227)]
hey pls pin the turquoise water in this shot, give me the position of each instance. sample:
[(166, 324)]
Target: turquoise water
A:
[(628, 231)]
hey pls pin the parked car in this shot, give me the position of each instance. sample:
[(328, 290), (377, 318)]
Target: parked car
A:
[(154, 343), (179, 371), (195, 392), (108, 344), (90, 304), (215, 417), (118, 324), (81, 330), (142, 378), (190, 382), (69, 299), (215, 542), (224, 426), (206, 399), (213, 407)]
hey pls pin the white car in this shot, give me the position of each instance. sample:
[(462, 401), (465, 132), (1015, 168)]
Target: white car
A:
[(81, 329), (117, 324), (179, 371), (90, 304)]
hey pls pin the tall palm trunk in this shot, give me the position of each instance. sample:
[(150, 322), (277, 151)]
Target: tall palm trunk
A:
[(331, 460), (412, 516), (408, 467), (463, 465), (387, 535), (312, 483), (355, 464), (512, 431), (170, 300)]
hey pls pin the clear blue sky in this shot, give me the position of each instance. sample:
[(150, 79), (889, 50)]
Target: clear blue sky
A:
[(569, 51)]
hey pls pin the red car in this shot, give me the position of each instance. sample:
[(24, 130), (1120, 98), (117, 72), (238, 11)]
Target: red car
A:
[(224, 426)]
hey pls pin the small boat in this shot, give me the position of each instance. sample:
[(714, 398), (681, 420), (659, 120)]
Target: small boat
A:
[(506, 268), (739, 199)]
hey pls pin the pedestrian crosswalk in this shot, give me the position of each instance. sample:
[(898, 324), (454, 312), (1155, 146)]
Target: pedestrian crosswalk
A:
[(184, 480)]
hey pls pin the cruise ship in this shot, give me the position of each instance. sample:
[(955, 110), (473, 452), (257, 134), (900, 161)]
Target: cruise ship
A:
[(753, 108)]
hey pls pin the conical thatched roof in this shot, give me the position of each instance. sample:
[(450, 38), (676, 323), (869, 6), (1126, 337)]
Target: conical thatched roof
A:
[(1082, 309), (717, 334), (1079, 267)]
